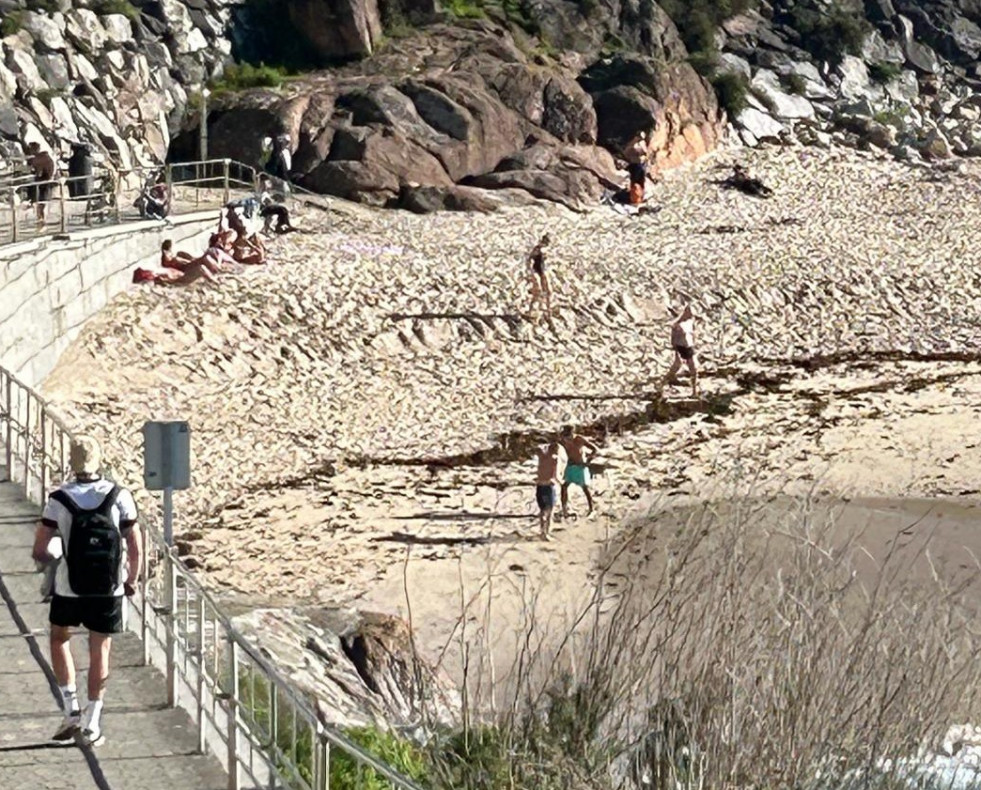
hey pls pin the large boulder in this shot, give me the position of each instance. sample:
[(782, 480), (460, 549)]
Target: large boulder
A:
[(337, 29)]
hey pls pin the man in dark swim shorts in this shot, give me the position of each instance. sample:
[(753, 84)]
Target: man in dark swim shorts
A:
[(44, 172), (549, 456), (683, 343)]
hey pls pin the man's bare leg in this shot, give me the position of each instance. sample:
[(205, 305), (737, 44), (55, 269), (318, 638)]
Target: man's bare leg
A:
[(545, 521), (589, 499), (99, 647), (693, 371), (61, 656), (564, 496)]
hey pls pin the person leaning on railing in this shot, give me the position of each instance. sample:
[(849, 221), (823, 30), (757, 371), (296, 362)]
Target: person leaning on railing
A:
[(43, 165), (91, 523)]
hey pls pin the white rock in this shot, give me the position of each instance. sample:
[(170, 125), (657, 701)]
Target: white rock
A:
[(759, 124), (83, 27), (118, 28), (735, 65), (53, 69), (22, 64), (855, 82), (46, 30), (766, 85)]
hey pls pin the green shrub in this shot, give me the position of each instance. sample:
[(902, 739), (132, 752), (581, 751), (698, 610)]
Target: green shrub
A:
[(346, 773), (124, 7), (796, 84), (465, 9), (12, 23), (732, 89), (698, 20), (830, 34), (883, 71), (47, 6), (705, 62), (242, 76)]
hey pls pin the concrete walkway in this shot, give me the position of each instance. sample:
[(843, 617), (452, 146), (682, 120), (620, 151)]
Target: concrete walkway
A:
[(148, 746)]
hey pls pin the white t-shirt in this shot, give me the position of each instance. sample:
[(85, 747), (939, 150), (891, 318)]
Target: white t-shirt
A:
[(89, 495)]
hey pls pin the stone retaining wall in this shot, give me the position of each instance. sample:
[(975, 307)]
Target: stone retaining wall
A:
[(49, 287)]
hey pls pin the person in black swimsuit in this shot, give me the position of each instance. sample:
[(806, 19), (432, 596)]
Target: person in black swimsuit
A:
[(541, 291)]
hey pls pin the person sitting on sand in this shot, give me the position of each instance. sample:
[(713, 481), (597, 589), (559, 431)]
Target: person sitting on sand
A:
[(219, 249), (636, 154), (234, 221), (248, 249), (577, 472), (550, 457), (744, 182), (683, 343), (170, 259), (541, 291)]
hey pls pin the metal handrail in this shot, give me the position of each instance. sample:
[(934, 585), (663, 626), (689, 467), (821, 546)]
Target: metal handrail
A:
[(207, 661)]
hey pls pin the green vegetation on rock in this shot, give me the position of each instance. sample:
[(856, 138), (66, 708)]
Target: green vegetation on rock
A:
[(883, 71), (242, 76), (12, 23), (732, 89), (346, 773), (830, 33), (124, 7)]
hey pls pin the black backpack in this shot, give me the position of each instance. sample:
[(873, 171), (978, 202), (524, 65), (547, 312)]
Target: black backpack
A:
[(94, 549)]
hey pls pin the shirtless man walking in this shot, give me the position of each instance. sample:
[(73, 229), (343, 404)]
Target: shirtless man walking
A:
[(683, 343), (550, 457), (577, 472)]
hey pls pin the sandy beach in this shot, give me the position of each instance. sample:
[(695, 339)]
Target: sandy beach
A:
[(364, 409)]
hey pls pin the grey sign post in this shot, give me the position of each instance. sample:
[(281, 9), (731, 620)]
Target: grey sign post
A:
[(167, 467)]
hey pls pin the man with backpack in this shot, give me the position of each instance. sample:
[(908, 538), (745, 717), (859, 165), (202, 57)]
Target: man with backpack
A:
[(95, 521)]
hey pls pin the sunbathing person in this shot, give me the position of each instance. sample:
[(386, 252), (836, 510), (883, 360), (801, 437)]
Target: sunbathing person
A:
[(248, 249), (171, 259)]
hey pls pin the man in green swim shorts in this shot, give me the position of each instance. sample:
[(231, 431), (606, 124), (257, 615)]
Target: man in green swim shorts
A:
[(577, 472)]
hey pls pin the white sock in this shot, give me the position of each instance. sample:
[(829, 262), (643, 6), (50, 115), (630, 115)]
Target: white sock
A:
[(93, 712), (69, 699)]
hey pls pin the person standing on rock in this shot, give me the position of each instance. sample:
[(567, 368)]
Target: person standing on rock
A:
[(683, 343), (550, 457), (100, 540), (541, 289), (577, 472)]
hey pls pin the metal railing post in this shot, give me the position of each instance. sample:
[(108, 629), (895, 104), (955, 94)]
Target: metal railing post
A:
[(232, 722), (117, 186), (13, 214), (171, 615), (27, 447), (226, 189), (321, 759), (169, 181), (202, 659), (8, 447), (44, 452), (63, 204), (144, 602)]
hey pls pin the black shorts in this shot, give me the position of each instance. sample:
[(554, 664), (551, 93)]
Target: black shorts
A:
[(637, 172), (685, 352), (545, 496), (102, 614)]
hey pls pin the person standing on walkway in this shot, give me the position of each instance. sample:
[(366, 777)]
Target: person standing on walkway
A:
[(577, 472), (43, 165), (96, 522)]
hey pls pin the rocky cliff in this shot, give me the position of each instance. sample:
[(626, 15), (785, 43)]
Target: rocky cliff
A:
[(402, 102)]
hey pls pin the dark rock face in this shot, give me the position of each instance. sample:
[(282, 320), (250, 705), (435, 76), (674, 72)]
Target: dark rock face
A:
[(463, 105), (337, 29)]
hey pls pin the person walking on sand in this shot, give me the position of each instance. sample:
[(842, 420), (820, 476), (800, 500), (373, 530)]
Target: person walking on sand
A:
[(577, 472), (550, 458), (95, 520), (541, 290), (683, 343), (636, 155)]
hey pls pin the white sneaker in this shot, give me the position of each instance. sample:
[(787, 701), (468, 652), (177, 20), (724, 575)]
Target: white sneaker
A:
[(93, 737), (68, 728)]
